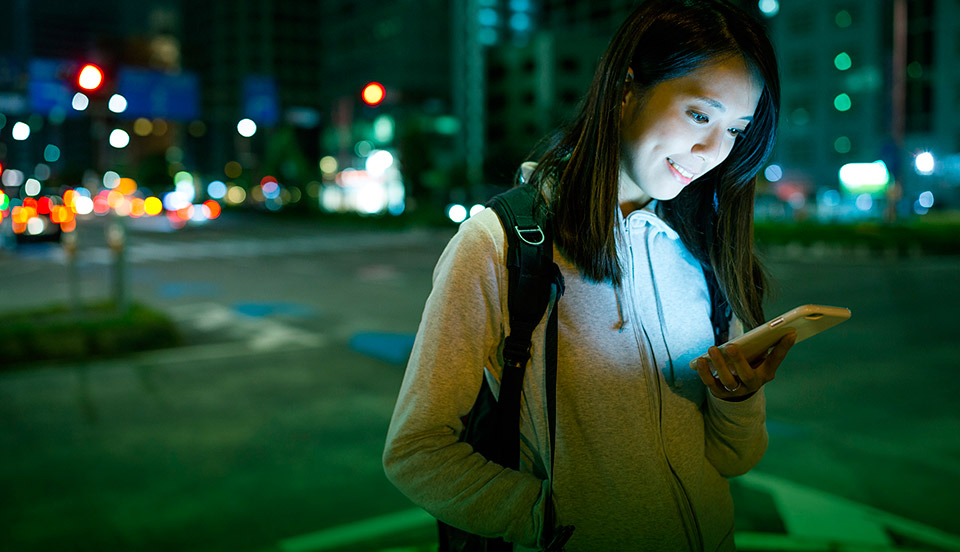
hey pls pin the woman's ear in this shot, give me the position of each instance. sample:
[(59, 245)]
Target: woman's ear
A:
[(627, 90)]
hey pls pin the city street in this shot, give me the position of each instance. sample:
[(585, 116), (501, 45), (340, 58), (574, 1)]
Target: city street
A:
[(264, 431)]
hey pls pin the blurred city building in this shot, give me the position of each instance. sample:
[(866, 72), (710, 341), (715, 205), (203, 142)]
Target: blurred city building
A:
[(260, 61), (855, 94), (263, 102)]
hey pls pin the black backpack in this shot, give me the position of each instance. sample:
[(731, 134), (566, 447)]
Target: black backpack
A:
[(492, 426)]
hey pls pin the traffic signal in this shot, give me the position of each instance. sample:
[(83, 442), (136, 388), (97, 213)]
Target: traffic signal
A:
[(373, 93), (90, 77)]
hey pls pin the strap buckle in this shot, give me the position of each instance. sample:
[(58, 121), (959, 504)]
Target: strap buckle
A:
[(536, 231)]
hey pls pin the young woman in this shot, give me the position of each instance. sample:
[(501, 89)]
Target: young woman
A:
[(649, 187)]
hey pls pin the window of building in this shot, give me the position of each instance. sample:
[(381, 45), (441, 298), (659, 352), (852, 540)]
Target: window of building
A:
[(569, 97), (569, 65), (800, 152), (801, 22), (800, 65)]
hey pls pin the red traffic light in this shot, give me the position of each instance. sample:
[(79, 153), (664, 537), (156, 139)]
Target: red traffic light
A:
[(90, 77), (373, 93)]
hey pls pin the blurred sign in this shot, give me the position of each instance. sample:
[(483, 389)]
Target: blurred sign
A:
[(12, 103), (260, 100), (152, 93), (864, 178), (48, 88)]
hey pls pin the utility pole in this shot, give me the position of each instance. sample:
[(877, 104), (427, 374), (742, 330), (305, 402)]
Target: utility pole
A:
[(898, 105)]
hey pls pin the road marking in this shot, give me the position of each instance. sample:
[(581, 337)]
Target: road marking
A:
[(817, 518), (390, 347), (259, 334), (143, 251), (360, 531)]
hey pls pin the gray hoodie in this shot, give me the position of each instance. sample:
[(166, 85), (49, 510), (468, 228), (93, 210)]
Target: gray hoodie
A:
[(643, 450)]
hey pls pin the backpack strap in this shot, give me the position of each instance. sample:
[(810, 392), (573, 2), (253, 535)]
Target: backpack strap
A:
[(532, 275)]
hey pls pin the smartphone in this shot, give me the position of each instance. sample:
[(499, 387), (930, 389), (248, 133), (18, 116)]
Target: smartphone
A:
[(807, 320)]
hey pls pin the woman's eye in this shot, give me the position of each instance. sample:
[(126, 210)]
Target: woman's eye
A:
[(699, 117), (735, 132)]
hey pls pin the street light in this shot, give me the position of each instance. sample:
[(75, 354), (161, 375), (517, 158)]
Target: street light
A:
[(924, 163)]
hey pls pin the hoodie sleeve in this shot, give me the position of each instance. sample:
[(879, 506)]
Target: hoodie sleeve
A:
[(735, 432), (459, 334)]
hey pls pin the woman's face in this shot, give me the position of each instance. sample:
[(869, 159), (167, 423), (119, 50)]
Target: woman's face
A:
[(683, 127)]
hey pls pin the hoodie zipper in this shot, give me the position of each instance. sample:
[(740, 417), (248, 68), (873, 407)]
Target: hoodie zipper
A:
[(656, 410)]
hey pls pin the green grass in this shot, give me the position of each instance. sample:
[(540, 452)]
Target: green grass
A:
[(931, 237), (97, 331)]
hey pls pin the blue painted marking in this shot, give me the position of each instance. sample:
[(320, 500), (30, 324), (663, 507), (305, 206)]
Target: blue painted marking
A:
[(389, 347), (261, 310), (175, 290)]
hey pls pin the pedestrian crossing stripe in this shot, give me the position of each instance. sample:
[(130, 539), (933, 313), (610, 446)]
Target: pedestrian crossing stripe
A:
[(816, 518), (815, 521)]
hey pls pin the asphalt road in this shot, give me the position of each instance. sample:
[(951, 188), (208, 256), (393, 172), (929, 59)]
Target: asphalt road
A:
[(264, 432)]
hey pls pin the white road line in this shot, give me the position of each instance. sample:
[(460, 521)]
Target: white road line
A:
[(352, 533)]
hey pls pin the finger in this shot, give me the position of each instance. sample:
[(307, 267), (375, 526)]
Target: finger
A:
[(702, 366), (744, 371), (769, 367), (723, 373)]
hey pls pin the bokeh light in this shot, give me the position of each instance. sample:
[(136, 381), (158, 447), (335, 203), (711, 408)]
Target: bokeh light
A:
[(80, 101), (117, 103), (142, 127), (90, 78), (232, 169), (373, 93), (51, 153), (152, 206), (328, 164), (924, 163), (457, 213), (110, 180), (32, 187), (769, 8), (842, 102), (246, 128), (842, 61), (20, 131), (842, 145), (119, 138), (217, 189)]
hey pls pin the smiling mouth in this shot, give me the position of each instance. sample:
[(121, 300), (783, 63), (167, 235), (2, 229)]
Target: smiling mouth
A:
[(683, 172)]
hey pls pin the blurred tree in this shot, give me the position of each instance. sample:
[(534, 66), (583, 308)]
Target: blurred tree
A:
[(284, 158)]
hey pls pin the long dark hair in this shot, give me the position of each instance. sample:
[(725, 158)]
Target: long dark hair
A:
[(662, 40)]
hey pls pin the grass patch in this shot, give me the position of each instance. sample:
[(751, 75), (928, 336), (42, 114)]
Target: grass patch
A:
[(933, 237), (97, 331)]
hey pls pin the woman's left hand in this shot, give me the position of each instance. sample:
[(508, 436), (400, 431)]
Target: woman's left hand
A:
[(732, 378)]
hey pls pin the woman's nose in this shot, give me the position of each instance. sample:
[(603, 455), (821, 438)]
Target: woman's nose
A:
[(710, 147)]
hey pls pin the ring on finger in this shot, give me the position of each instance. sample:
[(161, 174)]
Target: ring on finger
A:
[(739, 385)]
